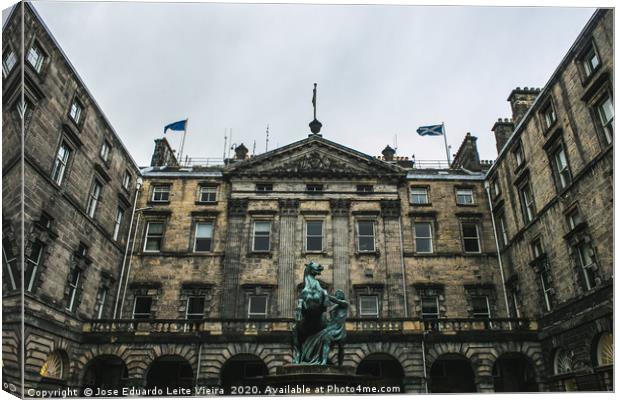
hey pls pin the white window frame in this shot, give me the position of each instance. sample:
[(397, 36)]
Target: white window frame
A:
[(479, 315), (465, 193), (126, 180), (9, 266), (515, 303), (35, 57), (75, 111), (159, 235), (73, 289), (362, 312), (93, 198), (261, 235), (374, 236), (307, 235), (561, 167), (35, 268), (429, 238), (105, 150), (259, 315), (588, 66), (418, 192), (8, 62), (574, 218), (208, 190), (606, 123), (527, 202), (188, 301), (315, 187), (264, 187), (477, 237), (160, 189), (120, 213), (198, 223), (582, 252), (429, 315), (135, 302), (549, 115), (60, 163), (502, 229), (102, 295), (546, 290)]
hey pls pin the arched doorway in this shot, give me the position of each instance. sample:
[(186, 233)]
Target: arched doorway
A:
[(384, 367), (107, 372), (452, 373), (55, 371), (240, 369), (514, 372), (170, 372)]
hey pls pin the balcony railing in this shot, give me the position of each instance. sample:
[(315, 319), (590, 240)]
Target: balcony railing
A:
[(218, 326)]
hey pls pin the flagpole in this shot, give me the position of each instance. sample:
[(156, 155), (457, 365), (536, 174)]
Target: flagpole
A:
[(180, 160), (445, 139)]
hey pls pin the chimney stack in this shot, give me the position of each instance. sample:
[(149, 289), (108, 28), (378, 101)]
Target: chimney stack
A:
[(502, 129), (388, 153), (241, 152), (521, 99), (467, 156), (163, 155)]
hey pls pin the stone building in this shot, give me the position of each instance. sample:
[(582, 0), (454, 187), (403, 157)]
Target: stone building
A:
[(456, 277)]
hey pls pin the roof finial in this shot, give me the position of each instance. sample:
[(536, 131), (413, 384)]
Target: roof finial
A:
[(315, 125)]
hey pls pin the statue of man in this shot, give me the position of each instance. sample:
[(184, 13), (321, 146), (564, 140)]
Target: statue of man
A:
[(336, 330)]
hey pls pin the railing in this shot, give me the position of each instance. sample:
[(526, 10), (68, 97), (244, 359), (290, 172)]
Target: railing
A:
[(431, 164), (218, 326), (201, 161)]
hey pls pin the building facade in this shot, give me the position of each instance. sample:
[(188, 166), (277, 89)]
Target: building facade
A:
[(474, 276)]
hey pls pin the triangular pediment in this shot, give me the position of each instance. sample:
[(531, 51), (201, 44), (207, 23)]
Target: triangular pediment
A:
[(315, 157)]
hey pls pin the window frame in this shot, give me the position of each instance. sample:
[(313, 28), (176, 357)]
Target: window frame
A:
[(100, 301), (143, 316), (258, 221), (419, 189), (606, 126), (587, 272), (475, 314), (118, 221), (94, 195), (160, 236), (426, 315), (585, 61), (208, 190), (308, 236), (359, 236), (429, 238), (363, 314), (191, 316), (518, 154), (263, 187), (105, 151), (74, 287), (35, 265), (315, 188), (76, 116), (126, 180), (61, 164), (10, 263), (547, 292), (548, 115), (195, 241), (37, 66), (364, 188), (465, 192), (252, 315), (465, 238), (158, 189), (528, 209), (559, 171), (6, 68)]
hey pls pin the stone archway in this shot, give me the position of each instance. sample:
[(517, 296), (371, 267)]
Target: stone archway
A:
[(242, 370), (107, 372), (170, 372), (383, 366), (514, 372), (452, 373)]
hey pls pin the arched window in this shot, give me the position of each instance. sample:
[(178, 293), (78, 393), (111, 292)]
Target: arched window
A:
[(605, 350), (562, 362), (54, 366)]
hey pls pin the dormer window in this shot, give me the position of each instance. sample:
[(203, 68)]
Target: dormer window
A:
[(75, 112), (590, 61), (8, 62), (548, 115), (35, 57)]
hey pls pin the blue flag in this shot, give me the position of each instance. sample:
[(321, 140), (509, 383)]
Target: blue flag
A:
[(176, 126), (430, 130)]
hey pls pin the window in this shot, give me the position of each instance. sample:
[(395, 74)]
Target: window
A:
[(545, 285), (480, 307), (142, 307), (369, 306), (22, 108), (33, 261), (60, 163), (10, 264), (430, 306), (75, 112), (314, 235), (495, 188), (527, 203), (154, 236), (203, 236), (208, 194), (161, 193), (586, 263), (35, 57), (366, 236), (117, 222), (514, 304), (419, 196), (261, 236), (464, 196), (590, 61), (471, 239), (537, 249), (264, 187), (574, 219), (8, 62), (561, 167), (518, 155), (102, 295), (195, 308), (548, 115), (423, 237), (105, 150), (74, 281), (314, 187), (126, 180), (257, 306), (364, 188), (503, 232), (605, 111), (93, 198)]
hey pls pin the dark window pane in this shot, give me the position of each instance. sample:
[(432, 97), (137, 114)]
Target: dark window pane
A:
[(142, 308), (366, 228), (261, 243), (156, 228), (314, 228), (469, 230), (314, 244), (258, 305), (367, 244), (203, 244), (153, 244), (429, 307), (195, 307), (471, 245)]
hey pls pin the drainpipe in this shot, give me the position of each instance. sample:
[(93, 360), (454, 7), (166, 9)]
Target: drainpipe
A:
[(499, 256), (133, 244), (424, 362), (199, 359), (402, 266), (133, 213)]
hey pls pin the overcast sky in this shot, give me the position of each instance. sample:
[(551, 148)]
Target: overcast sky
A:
[(382, 70)]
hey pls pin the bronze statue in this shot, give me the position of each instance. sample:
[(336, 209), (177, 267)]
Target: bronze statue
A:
[(314, 332)]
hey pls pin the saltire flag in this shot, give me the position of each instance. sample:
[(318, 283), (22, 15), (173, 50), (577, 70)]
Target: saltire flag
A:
[(176, 126), (430, 130)]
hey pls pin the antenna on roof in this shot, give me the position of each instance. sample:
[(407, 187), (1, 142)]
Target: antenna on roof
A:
[(396, 142), (267, 139), (231, 143), (254, 148), (225, 144)]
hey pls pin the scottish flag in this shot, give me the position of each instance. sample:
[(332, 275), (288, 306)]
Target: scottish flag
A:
[(176, 126), (430, 130)]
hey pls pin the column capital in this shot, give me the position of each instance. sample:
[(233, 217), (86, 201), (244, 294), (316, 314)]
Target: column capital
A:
[(289, 206), (340, 207)]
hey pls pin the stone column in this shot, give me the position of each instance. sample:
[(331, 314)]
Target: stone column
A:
[(484, 383), (396, 296), (340, 227), (237, 209), (287, 292)]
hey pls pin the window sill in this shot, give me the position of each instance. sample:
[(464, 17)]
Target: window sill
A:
[(260, 254), (367, 253), (420, 204), (315, 252), (157, 203), (467, 205), (205, 203)]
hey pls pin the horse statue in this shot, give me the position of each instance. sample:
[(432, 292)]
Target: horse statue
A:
[(314, 333)]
